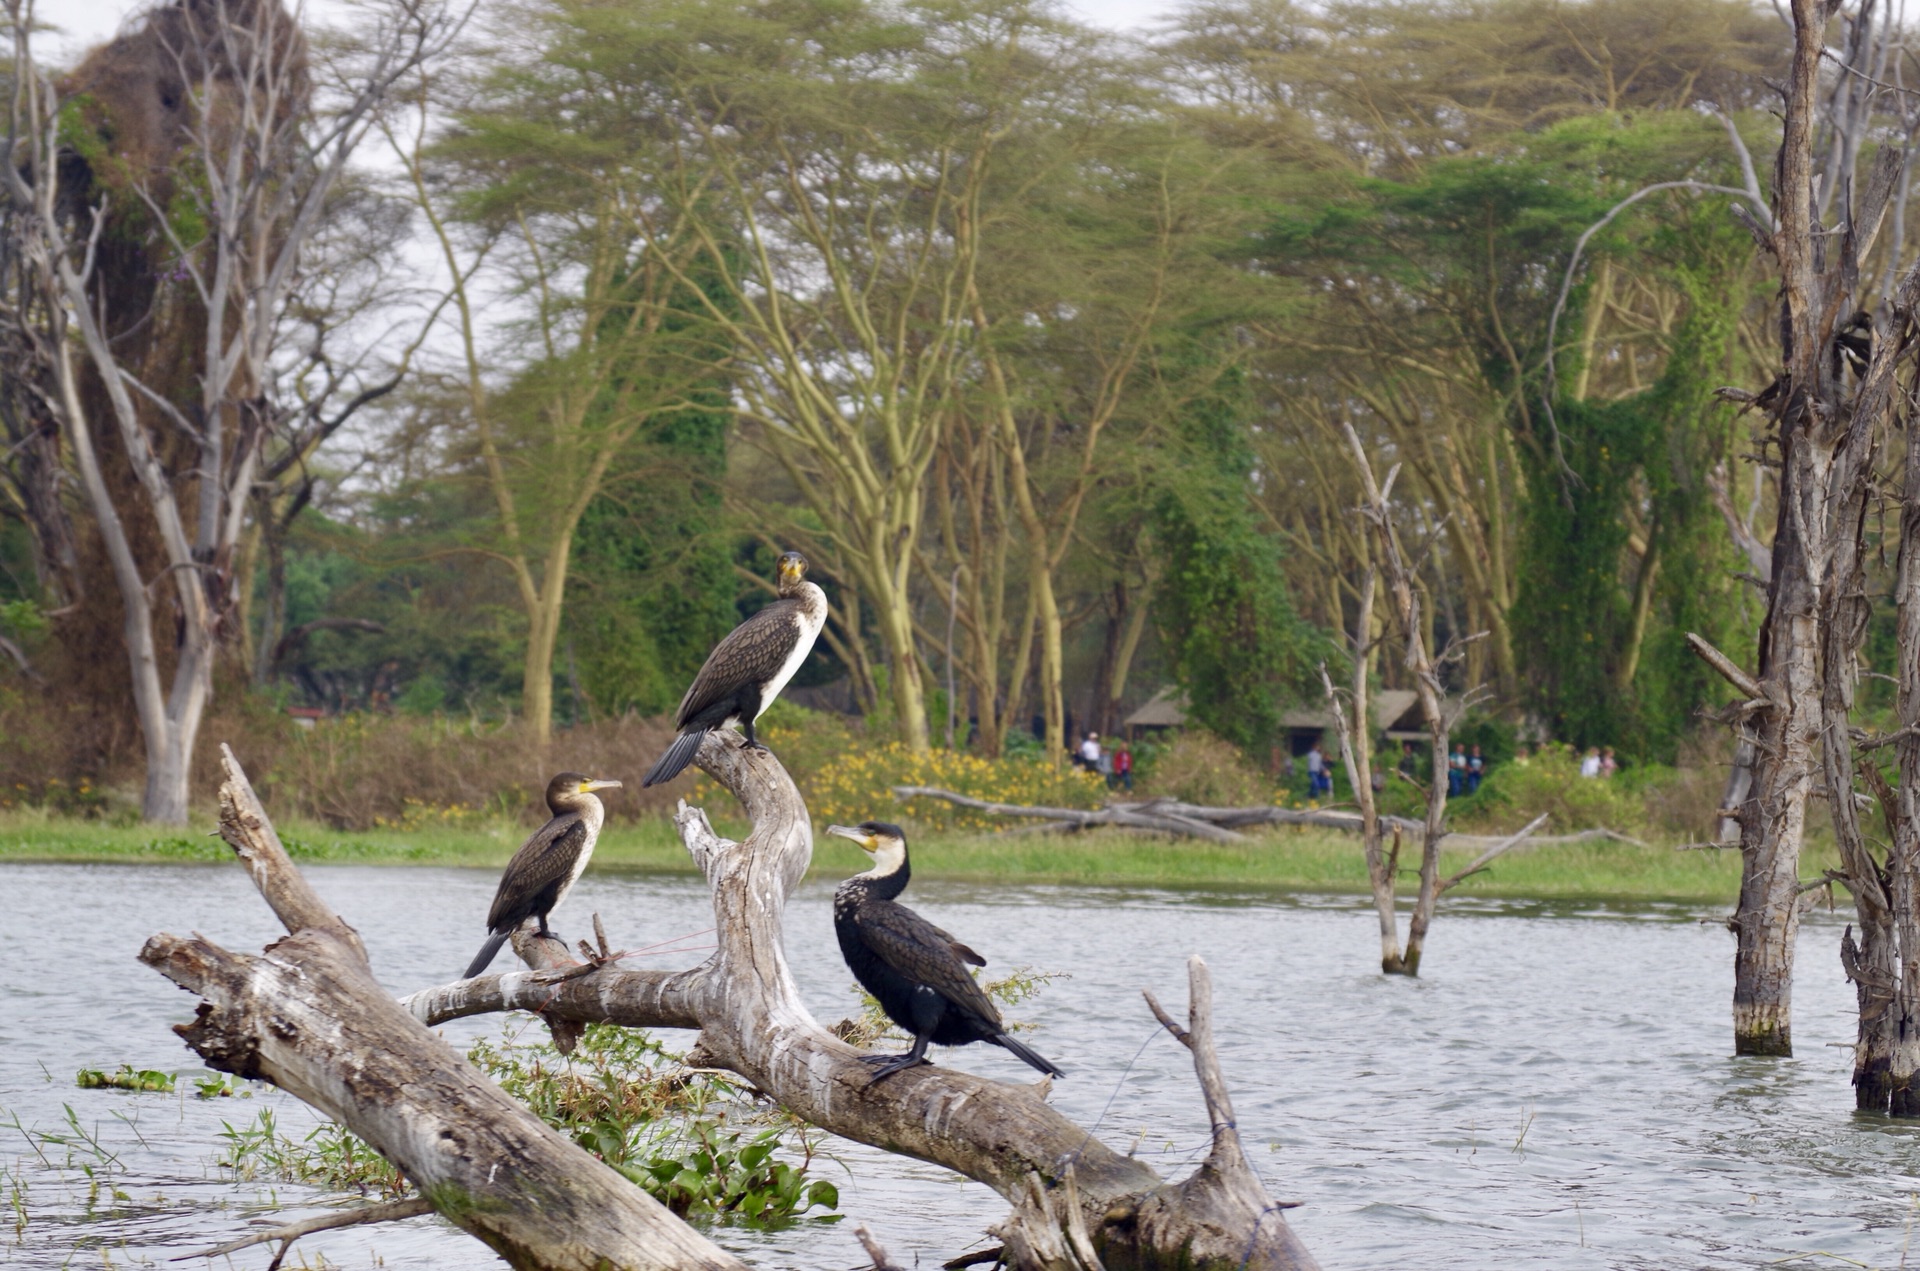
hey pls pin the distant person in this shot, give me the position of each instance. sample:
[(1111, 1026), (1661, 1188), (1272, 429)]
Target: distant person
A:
[(1090, 752), (1590, 763), (1104, 766), (1457, 770), (1608, 765), (1317, 772), (1378, 780), (1123, 767), (1409, 761), (1476, 769)]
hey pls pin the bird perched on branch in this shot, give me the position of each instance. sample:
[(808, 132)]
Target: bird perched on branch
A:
[(747, 670), (917, 972), (547, 864)]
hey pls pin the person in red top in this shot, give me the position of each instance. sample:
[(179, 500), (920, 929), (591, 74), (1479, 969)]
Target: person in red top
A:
[(1123, 767)]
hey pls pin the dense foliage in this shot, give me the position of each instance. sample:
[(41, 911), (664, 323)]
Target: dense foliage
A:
[(1039, 343)]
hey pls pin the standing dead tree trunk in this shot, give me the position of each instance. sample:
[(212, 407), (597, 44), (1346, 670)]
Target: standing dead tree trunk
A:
[(1424, 670), (1884, 964), (308, 1016), (1073, 1195), (1356, 752), (1803, 692)]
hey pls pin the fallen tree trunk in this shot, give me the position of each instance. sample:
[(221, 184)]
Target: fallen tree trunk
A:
[(1173, 815), (308, 1016), (1070, 1191)]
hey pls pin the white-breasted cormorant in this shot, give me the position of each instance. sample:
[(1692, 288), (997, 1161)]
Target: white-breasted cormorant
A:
[(747, 670), (917, 972), (547, 864)]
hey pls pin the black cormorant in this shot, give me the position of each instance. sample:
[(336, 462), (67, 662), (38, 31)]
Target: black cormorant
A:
[(916, 971), (547, 864), (747, 670)]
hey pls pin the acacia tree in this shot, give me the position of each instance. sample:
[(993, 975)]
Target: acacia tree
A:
[(526, 195), (157, 222)]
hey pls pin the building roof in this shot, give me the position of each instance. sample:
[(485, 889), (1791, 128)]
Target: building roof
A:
[(1166, 709), (1395, 710)]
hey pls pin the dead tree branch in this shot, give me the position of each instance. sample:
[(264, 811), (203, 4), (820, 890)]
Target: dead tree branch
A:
[(287, 1233), (309, 1017), (1486, 858), (753, 1022)]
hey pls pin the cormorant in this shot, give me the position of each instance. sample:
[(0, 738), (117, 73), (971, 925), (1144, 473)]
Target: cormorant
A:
[(916, 971), (547, 864), (747, 670)]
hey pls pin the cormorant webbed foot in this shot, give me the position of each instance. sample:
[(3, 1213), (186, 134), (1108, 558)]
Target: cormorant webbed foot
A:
[(886, 1065)]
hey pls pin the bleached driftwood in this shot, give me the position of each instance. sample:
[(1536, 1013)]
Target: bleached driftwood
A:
[(1174, 817), (1061, 1179), (308, 1016)]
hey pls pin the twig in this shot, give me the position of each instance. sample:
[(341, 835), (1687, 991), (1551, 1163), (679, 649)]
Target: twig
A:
[(878, 1255), (392, 1211)]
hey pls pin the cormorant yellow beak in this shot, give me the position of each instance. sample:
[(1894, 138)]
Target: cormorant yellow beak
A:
[(596, 783), (866, 841)]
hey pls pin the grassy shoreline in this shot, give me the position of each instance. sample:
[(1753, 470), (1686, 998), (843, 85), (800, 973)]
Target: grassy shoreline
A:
[(1284, 860)]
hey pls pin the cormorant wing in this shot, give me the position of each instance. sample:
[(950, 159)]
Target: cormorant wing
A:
[(547, 856), (751, 653), (926, 955), (966, 954)]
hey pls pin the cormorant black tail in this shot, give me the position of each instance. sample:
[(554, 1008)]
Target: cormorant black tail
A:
[(678, 756), (491, 947), (1032, 1057)]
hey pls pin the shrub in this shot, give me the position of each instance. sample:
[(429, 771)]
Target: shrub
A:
[(856, 785), (359, 771), (1198, 767), (1550, 781)]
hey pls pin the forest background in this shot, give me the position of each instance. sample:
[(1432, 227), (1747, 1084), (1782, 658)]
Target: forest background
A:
[(1038, 340)]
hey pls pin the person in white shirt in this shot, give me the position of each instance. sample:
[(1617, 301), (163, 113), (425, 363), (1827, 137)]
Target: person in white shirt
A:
[(1590, 765), (1090, 751)]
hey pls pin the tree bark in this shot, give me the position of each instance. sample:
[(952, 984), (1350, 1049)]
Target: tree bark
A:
[(1356, 752), (1885, 963), (1825, 449), (308, 1016), (1416, 635), (752, 1021)]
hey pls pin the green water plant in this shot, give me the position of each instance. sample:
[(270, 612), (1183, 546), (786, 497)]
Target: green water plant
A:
[(126, 1077), (694, 1138)]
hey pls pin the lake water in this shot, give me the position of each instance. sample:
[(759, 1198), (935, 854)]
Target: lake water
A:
[(1556, 1093)]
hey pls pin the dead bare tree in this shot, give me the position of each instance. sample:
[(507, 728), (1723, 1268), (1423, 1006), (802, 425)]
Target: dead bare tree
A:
[(1884, 964), (1076, 1202), (1424, 670), (1828, 407), (225, 169)]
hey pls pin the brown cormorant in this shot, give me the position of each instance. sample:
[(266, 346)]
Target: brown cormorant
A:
[(747, 670), (547, 864), (917, 972)]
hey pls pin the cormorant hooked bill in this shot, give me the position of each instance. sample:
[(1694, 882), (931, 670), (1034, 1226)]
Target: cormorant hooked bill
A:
[(916, 971), (548, 864), (747, 670)]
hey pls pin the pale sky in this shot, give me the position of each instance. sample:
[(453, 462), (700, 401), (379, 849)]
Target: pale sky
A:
[(84, 23)]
